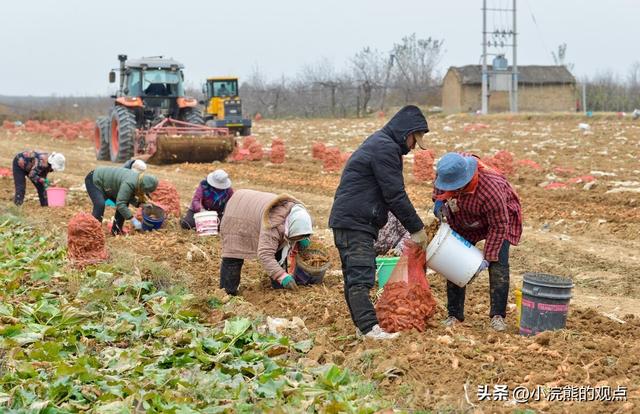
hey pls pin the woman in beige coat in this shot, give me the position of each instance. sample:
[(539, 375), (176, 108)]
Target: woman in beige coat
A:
[(263, 226)]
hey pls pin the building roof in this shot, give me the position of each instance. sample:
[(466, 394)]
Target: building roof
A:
[(154, 62), (528, 74)]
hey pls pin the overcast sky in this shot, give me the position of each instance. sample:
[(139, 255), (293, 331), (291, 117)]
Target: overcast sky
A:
[(67, 47)]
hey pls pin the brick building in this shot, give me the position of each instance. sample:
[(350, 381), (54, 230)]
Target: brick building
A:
[(540, 89)]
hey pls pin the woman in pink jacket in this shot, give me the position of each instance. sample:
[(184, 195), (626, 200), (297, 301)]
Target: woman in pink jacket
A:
[(211, 195)]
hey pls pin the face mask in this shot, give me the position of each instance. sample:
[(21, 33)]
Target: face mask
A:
[(304, 243)]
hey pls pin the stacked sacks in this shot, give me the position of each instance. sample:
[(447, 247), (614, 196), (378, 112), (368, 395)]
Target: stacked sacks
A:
[(277, 151), (85, 240), (332, 161)]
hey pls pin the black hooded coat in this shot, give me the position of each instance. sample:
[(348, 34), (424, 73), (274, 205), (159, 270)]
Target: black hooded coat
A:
[(372, 183)]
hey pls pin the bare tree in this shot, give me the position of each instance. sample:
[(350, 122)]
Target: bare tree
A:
[(560, 57)]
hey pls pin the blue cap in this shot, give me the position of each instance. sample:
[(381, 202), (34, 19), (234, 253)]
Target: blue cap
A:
[(454, 171)]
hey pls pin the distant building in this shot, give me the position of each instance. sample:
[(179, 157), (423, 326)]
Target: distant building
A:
[(540, 89)]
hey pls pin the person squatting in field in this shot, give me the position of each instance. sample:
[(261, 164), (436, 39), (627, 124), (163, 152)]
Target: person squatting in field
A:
[(35, 165), (479, 203), (372, 185), (212, 194), (263, 226)]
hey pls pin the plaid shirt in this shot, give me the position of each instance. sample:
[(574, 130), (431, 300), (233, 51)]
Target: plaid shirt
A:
[(491, 212), (35, 164)]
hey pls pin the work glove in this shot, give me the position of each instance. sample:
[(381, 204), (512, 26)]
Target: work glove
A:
[(288, 282), (483, 266), (47, 183), (437, 209), (420, 238), (109, 203), (136, 224), (304, 243)]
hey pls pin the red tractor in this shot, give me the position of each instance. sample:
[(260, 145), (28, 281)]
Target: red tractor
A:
[(152, 119)]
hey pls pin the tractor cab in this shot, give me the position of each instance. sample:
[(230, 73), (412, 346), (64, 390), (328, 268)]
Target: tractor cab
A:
[(223, 105)]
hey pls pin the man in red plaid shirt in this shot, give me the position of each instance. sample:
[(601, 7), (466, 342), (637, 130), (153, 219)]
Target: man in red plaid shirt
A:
[(479, 204)]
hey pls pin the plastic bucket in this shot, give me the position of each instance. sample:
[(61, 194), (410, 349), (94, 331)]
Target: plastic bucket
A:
[(207, 223), (452, 256), (518, 295), (384, 268), (545, 302), (152, 217), (306, 274), (56, 196)]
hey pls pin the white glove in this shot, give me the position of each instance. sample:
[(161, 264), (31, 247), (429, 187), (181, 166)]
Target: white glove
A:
[(419, 238), (483, 266), (136, 224)]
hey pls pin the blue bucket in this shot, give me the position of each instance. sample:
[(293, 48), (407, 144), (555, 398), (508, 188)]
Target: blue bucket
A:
[(152, 217)]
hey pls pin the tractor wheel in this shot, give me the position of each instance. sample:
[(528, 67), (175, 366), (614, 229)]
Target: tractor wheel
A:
[(123, 132), (193, 116), (100, 138), (245, 132)]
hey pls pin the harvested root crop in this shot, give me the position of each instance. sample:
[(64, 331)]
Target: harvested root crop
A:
[(85, 240), (403, 307)]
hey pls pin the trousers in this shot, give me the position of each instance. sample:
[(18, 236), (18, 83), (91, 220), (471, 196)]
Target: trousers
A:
[(358, 258), (498, 288)]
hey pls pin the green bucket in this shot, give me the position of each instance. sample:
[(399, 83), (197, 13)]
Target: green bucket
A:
[(384, 268)]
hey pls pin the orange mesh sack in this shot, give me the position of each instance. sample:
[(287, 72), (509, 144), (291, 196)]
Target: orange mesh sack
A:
[(407, 302)]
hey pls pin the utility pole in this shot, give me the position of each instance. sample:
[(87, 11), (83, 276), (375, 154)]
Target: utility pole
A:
[(514, 73), (485, 73)]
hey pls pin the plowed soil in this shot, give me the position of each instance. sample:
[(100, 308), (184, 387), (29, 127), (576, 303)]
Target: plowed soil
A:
[(588, 233)]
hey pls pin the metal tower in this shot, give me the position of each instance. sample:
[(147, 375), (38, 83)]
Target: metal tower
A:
[(495, 42)]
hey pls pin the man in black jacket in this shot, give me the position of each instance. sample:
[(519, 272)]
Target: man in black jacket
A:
[(372, 185)]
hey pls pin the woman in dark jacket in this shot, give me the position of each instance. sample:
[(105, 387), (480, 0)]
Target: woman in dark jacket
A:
[(35, 165), (211, 195)]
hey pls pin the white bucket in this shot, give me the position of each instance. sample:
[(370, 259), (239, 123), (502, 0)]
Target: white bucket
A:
[(452, 256), (207, 223)]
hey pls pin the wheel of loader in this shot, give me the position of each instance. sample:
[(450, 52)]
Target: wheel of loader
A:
[(192, 115), (123, 132), (245, 132), (100, 138)]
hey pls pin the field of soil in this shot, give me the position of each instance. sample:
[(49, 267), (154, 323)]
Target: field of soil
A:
[(580, 191)]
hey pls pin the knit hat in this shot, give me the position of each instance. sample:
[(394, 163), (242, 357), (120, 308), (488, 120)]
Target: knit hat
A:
[(219, 179), (298, 222), (56, 161), (454, 171)]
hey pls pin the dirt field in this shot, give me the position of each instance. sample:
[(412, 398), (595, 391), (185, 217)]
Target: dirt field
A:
[(587, 231)]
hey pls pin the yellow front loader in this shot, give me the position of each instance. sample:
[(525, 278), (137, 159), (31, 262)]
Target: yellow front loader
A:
[(223, 107)]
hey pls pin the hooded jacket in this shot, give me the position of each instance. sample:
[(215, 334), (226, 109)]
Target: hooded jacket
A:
[(253, 227), (372, 183), (123, 185)]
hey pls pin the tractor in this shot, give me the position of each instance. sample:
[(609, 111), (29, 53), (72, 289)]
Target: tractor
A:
[(152, 119), (223, 107)]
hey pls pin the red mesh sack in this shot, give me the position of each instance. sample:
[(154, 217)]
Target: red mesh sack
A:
[(423, 166), (85, 240), (166, 196), (502, 161), (256, 152), (407, 302), (278, 152), (317, 150), (332, 161)]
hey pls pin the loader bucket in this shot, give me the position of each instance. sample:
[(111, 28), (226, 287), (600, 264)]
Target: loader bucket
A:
[(175, 141)]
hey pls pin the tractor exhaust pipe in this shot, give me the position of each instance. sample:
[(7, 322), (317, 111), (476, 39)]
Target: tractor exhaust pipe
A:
[(122, 59)]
